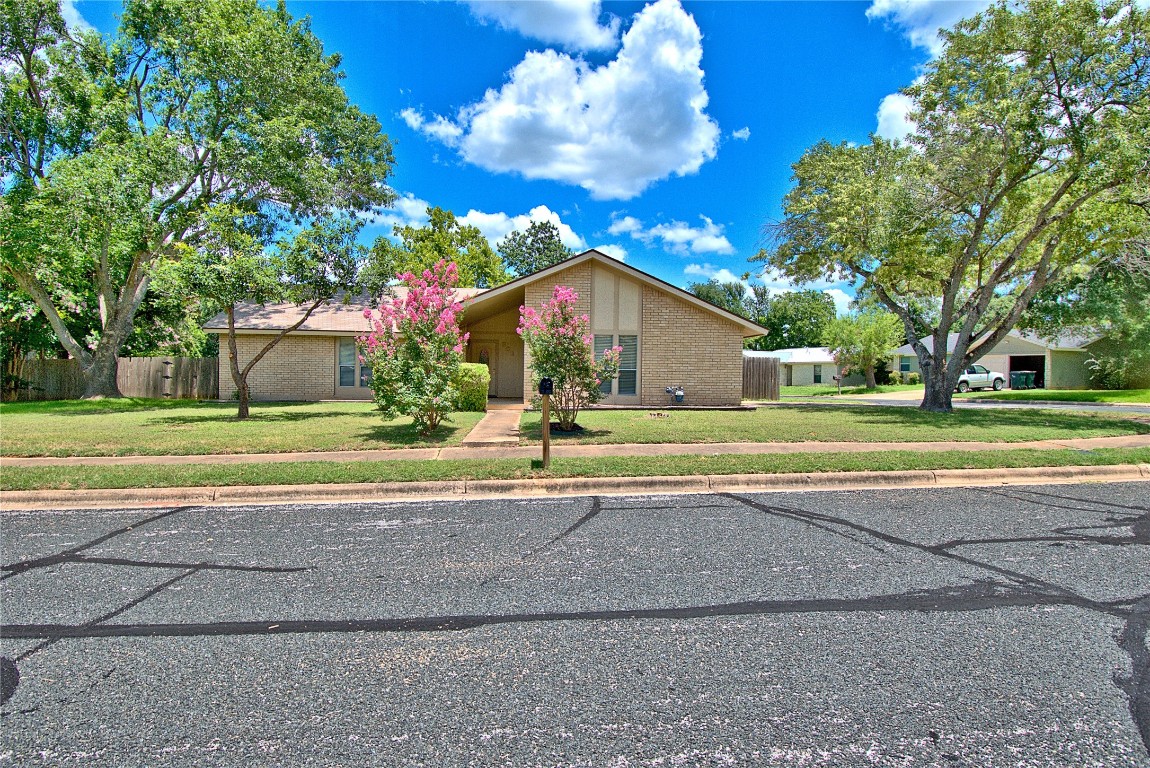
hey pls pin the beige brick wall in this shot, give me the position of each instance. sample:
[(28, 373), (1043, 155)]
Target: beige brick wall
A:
[(678, 343), (684, 345), (577, 278), (298, 368)]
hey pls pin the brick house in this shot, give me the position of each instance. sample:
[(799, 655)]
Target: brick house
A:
[(1057, 363), (669, 337)]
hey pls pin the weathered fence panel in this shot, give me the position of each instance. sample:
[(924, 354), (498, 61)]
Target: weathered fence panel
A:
[(173, 377), (760, 378)]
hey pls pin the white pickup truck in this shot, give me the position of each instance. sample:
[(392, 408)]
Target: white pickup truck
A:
[(978, 377)]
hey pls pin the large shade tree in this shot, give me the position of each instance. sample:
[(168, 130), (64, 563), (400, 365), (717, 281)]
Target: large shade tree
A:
[(444, 239), (793, 318), (1030, 156), (539, 247), (730, 296), (111, 154)]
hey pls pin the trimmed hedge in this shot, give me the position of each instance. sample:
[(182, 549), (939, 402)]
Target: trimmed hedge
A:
[(472, 383)]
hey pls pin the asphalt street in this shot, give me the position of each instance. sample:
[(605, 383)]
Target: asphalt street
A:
[(942, 627)]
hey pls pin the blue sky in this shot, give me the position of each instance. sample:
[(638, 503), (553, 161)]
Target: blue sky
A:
[(661, 133)]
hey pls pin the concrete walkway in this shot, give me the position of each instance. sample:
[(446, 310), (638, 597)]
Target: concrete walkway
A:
[(499, 427)]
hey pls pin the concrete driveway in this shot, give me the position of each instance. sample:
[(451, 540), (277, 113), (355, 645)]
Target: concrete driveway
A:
[(978, 627)]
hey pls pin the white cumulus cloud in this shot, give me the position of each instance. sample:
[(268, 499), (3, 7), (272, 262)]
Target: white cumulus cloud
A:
[(439, 127), (72, 17), (613, 130), (920, 20), (496, 226), (893, 119), (571, 24), (411, 211), (742, 134), (711, 272), (617, 252), (407, 211), (676, 236)]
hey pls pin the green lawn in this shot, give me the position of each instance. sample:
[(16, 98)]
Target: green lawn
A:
[(824, 390), (131, 427), (64, 478), (794, 423), (1067, 395)]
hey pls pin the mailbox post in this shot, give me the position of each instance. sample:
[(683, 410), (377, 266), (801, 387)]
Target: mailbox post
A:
[(546, 388)]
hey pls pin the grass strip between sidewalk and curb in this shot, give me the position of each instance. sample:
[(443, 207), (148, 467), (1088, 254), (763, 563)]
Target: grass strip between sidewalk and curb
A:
[(309, 473)]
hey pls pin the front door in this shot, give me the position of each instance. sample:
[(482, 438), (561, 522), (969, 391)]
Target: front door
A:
[(503, 356)]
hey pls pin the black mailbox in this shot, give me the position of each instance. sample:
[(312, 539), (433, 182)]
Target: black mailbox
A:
[(546, 387)]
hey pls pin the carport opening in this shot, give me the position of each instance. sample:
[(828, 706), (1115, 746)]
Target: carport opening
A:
[(1036, 363)]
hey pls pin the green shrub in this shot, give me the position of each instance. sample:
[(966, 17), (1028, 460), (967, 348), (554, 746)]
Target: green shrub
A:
[(914, 377), (472, 382)]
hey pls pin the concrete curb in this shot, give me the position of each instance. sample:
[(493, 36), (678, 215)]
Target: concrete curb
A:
[(575, 486)]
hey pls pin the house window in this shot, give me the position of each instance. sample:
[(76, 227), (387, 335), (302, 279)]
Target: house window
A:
[(627, 382), (904, 364), (352, 372), (818, 374)]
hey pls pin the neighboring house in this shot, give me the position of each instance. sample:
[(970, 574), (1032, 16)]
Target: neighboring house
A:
[(1057, 364), (669, 337), (802, 366)]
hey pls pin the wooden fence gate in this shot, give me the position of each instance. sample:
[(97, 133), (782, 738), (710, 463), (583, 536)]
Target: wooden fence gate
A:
[(760, 378), (178, 378)]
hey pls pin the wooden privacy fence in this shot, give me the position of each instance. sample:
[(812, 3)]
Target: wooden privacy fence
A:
[(174, 377), (760, 378)]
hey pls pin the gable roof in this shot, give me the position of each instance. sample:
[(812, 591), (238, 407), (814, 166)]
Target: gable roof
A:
[(344, 315), (510, 294)]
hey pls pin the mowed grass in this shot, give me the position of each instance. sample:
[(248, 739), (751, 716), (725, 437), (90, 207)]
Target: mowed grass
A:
[(830, 423), (1067, 395), (139, 427), (306, 473)]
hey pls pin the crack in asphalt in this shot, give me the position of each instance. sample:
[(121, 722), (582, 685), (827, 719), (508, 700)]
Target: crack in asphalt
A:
[(23, 566), (1133, 637), (10, 672)]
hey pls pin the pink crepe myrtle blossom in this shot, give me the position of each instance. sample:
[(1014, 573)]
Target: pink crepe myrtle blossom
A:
[(560, 342), (415, 346)]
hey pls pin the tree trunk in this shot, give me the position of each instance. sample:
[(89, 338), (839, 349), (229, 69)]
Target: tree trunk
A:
[(870, 380), (936, 397), (242, 388), (100, 374), (239, 378)]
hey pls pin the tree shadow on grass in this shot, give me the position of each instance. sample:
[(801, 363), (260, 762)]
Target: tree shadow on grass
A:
[(405, 435), (534, 433), (256, 417)]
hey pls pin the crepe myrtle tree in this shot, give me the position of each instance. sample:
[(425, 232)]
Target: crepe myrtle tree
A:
[(1030, 157), (559, 341), (415, 347)]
